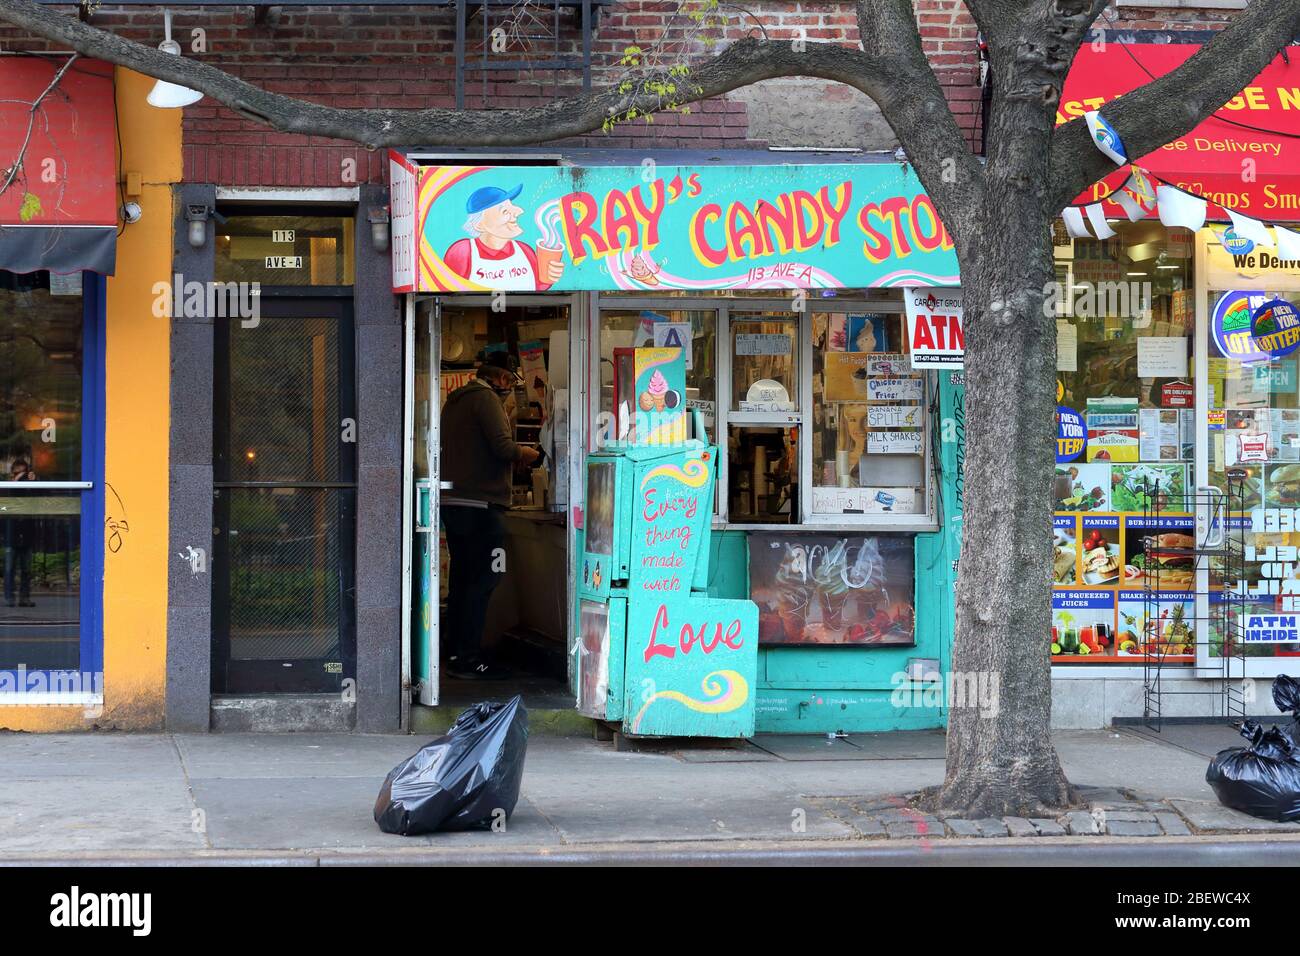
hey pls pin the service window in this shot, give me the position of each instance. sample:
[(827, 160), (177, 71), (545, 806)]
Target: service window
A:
[(868, 417), (819, 416), (765, 362), (693, 329)]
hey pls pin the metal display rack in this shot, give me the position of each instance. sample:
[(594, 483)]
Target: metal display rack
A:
[(1180, 615)]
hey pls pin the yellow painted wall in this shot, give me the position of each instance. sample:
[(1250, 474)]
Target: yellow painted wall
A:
[(136, 437)]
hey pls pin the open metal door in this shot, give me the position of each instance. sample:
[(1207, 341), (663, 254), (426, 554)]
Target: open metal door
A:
[(424, 323)]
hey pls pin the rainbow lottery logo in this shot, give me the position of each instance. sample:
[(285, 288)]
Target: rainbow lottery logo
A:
[(1231, 326)]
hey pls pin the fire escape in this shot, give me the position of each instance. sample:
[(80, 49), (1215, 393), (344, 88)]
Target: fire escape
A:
[(519, 36)]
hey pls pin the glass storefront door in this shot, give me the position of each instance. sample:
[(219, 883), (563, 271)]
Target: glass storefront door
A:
[(284, 509), (1248, 404)]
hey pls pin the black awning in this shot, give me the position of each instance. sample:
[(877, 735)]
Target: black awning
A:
[(60, 249)]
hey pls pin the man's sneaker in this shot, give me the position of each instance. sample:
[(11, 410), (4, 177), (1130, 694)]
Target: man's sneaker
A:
[(475, 670)]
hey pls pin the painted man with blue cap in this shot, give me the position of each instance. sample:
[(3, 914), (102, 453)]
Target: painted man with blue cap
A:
[(493, 256)]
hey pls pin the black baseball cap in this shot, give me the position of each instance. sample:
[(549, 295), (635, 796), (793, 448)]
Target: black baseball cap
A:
[(498, 359)]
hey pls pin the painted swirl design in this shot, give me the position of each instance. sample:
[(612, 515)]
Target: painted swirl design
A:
[(694, 473), (724, 691)]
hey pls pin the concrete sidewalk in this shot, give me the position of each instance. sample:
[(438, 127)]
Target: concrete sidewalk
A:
[(303, 796)]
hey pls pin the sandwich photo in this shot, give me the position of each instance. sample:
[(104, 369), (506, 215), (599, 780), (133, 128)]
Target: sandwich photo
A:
[(1282, 486), (1166, 560)]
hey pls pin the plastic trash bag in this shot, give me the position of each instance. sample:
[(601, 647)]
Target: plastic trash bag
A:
[(463, 780), (1286, 697), (1262, 779)]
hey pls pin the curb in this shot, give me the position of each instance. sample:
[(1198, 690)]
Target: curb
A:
[(1040, 851)]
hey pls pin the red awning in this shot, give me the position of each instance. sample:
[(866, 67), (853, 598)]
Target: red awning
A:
[(60, 213), (1262, 124)]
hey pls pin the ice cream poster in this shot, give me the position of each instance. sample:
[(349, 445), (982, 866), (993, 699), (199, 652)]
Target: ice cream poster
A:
[(824, 589), (669, 228), (660, 376)]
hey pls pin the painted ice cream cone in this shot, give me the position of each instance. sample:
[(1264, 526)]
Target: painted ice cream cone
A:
[(658, 390)]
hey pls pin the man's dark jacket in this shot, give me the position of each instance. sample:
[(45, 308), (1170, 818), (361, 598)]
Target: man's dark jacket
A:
[(478, 450)]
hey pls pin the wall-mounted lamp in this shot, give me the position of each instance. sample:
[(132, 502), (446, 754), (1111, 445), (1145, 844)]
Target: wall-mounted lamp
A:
[(131, 212), (197, 215), (378, 217), (166, 95)]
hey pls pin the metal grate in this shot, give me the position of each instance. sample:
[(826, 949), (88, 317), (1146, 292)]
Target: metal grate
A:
[(1178, 617)]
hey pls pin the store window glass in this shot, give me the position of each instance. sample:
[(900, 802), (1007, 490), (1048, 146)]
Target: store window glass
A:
[(764, 361), (1126, 437), (868, 423), (286, 250), (1253, 442), (696, 329), (41, 423)]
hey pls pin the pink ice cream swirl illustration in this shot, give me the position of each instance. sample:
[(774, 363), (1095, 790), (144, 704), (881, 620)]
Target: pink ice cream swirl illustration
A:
[(656, 395)]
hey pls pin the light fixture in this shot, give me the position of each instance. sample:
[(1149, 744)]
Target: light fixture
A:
[(197, 217), (166, 95), (378, 217), (131, 212)]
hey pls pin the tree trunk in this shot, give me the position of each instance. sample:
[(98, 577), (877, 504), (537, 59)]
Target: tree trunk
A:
[(1000, 759)]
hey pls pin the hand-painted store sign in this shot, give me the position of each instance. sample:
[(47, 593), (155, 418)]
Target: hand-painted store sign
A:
[(609, 228)]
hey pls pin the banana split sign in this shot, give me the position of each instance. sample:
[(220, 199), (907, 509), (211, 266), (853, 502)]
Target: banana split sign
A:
[(934, 327)]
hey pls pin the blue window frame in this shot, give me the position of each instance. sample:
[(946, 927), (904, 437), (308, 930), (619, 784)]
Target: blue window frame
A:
[(16, 679)]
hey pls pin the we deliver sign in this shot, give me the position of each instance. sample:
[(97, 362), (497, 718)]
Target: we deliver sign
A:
[(934, 329)]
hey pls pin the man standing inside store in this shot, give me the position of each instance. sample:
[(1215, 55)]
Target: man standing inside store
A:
[(478, 459)]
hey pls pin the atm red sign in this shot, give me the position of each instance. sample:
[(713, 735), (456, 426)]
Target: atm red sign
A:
[(934, 327)]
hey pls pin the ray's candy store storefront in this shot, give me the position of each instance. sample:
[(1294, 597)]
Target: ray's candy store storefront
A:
[(836, 494)]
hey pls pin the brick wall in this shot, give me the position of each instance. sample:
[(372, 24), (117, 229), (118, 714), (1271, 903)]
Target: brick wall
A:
[(403, 57)]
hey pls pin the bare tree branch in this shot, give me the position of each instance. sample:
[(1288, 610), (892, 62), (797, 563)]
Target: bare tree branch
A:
[(741, 64), (918, 112), (17, 166), (1174, 104), (891, 69)]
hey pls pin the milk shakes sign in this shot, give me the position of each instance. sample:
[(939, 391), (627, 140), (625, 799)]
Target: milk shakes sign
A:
[(934, 330)]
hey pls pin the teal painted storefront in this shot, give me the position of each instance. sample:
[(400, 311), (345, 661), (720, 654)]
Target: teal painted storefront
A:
[(861, 689)]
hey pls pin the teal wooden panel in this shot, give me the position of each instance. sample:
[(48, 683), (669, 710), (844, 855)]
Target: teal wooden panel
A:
[(729, 565), (841, 667), (781, 711)]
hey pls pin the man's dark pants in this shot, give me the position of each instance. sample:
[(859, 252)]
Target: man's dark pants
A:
[(476, 542)]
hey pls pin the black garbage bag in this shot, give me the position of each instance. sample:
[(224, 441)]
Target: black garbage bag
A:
[(1262, 779), (463, 780), (1286, 697)]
